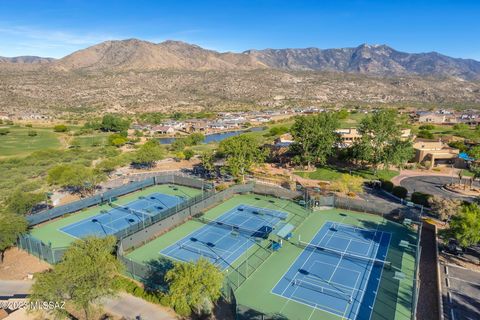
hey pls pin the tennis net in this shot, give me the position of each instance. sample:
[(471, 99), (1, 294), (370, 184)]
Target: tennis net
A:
[(199, 251), (331, 292), (231, 227), (139, 214), (345, 255), (266, 212)]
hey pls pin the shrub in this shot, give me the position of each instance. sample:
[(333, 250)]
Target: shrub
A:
[(32, 133), (400, 192), (461, 126), (131, 287), (427, 127), (60, 128), (4, 131), (421, 198), (387, 185), (460, 145), (188, 154), (425, 134), (221, 187)]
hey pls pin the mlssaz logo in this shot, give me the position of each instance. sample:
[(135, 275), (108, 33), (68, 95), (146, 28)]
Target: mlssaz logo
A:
[(32, 305)]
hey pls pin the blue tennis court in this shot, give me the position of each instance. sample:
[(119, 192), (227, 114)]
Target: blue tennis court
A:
[(339, 271), (226, 238), (121, 217)]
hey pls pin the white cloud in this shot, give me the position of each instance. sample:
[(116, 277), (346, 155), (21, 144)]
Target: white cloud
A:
[(28, 40)]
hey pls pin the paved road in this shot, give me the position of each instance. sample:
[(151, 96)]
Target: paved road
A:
[(461, 293), (129, 307), (10, 288), (124, 305), (432, 185)]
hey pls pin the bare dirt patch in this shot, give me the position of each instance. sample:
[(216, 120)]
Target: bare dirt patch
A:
[(18, 264)]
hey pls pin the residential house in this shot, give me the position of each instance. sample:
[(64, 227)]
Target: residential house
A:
[(436, 152), (348, 137), (163, 130), (437, 117)]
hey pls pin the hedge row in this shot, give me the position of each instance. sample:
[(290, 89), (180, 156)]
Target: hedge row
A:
[(134, 289), (421, 198), (401, 192)]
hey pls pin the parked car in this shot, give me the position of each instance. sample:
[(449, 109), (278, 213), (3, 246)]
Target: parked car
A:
[(453, 247)]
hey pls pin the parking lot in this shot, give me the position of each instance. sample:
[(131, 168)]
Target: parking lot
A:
[(461, 293)]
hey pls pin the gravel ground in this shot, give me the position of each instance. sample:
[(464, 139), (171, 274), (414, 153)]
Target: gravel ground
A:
[(18, 264)]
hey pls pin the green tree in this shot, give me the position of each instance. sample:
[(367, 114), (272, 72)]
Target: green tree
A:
[(12, 225), (149, 152), (241, 153), (208, 161), (195, 139), (188, 154), (343, 114), (114, 123), (179, 116), (398, 153), (380, 132), (465, 226), (475, 170), (60, 128), (117, 140), (21, 202), (84, 276), (75, 176), (193, 286), (474, 152), (277, 130), (314, 137)]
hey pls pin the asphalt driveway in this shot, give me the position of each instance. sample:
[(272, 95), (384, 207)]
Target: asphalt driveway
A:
[(432, 185), (461, 293)]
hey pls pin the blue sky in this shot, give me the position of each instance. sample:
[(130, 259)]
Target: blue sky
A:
[(57, 28)]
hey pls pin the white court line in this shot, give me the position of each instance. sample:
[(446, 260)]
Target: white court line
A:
[(333, 285), (381, 273), (296, 274), (208, 228), (340, 260), (361, 289), (368, 273)]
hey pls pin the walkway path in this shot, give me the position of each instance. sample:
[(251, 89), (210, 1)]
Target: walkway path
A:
[(124, 305), (10, 288), (128, 306)]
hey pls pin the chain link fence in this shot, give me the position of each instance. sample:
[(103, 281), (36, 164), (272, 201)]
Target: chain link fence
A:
[(39, 249), (139, 182)]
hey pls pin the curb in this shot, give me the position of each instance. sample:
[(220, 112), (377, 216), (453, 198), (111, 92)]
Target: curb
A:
[(439, 283)]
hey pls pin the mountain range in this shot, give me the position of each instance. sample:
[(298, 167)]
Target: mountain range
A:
[(375, 60), (132, 75)]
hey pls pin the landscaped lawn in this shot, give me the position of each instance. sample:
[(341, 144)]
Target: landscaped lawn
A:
[(97, 140), (332, 174), (17, 142)]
